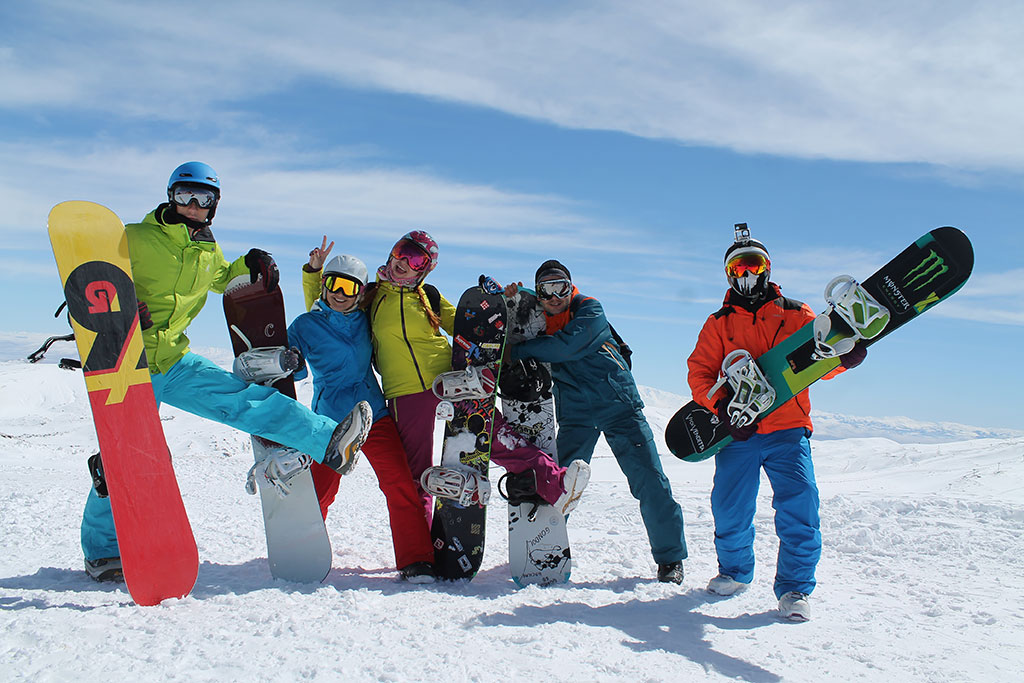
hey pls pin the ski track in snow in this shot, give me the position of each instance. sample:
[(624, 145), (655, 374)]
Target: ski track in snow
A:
[(920, 578)]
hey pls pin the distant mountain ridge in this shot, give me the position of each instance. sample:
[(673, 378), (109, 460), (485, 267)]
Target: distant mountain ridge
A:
[(660, 405)]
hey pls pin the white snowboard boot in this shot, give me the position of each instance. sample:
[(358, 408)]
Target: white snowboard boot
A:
[(577, 476), (795, 606), (348, 437), (725, 585)]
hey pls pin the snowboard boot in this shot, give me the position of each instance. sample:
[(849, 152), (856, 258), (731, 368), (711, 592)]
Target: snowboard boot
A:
[(671, 572), (105, 569), (348, 437), (795, 606), (725, 585), (464, 485), (99, 482), (418, 572), (576, 478)]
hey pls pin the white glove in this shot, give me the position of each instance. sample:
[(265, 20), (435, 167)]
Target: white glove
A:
[(280, 465)]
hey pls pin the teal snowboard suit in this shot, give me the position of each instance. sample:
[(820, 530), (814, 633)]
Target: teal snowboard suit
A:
[(595, 393)]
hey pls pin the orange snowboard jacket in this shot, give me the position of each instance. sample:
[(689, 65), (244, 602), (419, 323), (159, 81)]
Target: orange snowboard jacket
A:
[(735, 326)]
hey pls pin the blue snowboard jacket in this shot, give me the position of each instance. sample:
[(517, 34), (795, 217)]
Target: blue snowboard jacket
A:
[(337, 347)]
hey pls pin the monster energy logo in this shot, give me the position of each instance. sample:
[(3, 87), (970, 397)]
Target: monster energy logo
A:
[(925, 272)]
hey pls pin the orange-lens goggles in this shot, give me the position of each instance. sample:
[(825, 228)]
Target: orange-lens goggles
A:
[(339, 284), (741, 264)]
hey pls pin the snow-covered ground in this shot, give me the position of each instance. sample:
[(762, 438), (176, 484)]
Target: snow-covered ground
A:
[(920, 580)]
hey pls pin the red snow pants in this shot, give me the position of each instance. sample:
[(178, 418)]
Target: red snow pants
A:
[(410, 531)]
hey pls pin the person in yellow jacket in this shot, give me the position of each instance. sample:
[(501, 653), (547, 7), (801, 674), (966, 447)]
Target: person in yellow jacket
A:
[(176, 263), (407, 317)]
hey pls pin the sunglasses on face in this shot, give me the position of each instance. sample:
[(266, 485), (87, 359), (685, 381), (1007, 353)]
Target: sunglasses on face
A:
[(551, 289), (203, 197), (740, 265), (412, 254), (340, 284)]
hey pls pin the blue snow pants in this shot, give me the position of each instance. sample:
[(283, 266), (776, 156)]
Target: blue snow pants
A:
[(201, 387), (630, 438), (786, 458)]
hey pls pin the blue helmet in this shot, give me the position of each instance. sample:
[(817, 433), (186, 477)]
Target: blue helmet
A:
[(197, 173)]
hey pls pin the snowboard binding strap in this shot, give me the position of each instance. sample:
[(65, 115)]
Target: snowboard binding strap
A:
[(751, 392), (459, 385), (866, 317), (464, 485), (265, 365)]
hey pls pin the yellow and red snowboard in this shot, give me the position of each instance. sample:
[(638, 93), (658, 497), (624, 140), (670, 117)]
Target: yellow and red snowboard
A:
[(158, 552)]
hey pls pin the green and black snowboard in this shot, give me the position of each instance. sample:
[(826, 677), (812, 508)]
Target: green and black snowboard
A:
[(930, 270)]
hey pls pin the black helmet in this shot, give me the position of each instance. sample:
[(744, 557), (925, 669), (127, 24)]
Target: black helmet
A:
[(747, 265)]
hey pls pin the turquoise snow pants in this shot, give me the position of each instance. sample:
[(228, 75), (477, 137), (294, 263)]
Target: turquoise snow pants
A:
[(632, 443), (201, 387), (786, 458)]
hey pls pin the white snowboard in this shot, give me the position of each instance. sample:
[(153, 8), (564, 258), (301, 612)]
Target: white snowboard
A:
[(298, 547), (538, 540)]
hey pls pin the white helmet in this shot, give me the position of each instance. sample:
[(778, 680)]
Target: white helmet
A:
[(348, 266)]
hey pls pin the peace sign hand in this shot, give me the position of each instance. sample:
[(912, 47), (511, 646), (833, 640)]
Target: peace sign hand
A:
[(318, 256)]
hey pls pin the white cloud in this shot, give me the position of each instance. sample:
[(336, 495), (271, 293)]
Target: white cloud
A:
[(875, 81)]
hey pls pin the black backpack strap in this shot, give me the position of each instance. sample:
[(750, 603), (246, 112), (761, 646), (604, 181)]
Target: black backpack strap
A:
[(433, 298)]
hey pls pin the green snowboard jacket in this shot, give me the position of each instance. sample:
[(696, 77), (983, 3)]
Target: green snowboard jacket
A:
[(173, 273)]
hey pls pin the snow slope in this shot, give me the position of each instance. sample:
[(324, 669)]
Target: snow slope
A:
[(921, 576)]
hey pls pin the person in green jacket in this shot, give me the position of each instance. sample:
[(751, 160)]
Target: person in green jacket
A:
[(176, 263)]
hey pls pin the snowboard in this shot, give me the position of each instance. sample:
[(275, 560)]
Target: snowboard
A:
[(538, 539), (930, 270), (158, 551), (458, 531), (298, 548)]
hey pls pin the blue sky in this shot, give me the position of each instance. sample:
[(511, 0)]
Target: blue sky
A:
[(624, 139)]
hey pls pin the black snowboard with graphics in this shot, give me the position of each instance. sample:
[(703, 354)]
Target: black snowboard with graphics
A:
[(458, 531)]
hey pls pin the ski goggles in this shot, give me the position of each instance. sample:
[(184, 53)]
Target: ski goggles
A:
[(413, 254), (753, 263), (550, 289), (182, 195), (342, 284)]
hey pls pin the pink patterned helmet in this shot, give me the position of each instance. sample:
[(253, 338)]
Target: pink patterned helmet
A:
[(425, 243)]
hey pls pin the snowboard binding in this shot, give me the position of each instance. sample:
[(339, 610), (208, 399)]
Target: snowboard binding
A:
[(266, 365), (521, 489), (277, 469), (752, 395), (464, 485), (458, 385), (858, 309)]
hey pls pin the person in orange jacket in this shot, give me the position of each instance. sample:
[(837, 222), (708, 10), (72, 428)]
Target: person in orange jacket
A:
[(756, 317)]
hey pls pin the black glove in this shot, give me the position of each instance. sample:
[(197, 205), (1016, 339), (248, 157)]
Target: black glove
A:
[(261, 264), (145, 319), (737, 433), (296, 358), (854, 356)]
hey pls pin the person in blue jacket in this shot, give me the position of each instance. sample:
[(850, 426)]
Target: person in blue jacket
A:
[(595, 393), (334, 339)]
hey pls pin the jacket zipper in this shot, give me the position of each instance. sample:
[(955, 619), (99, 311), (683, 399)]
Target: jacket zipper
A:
[(405, 336)]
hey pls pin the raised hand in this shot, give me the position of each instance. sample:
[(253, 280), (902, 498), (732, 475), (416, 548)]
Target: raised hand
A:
[(319, 255)]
